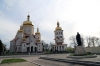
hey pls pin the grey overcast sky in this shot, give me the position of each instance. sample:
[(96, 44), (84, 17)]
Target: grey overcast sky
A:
[(81, 16)]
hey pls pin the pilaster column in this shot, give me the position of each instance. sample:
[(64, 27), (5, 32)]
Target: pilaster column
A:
[(61, 48)]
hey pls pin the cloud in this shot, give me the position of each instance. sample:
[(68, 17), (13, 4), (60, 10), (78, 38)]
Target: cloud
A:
[(8, 30), (9, 2), (1, 13), (81, 16)]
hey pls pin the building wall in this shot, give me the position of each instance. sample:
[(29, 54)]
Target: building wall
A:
[(59, 33), (12, 46), (20, 35), (93, 49), (19, 45), (59, 47), (19, 48), (28, 29), (32, 44), (19, 41), (24, 47)]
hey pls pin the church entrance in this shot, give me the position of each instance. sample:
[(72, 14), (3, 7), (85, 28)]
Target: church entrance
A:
[(31, 48), (35, 49), (28, 49)]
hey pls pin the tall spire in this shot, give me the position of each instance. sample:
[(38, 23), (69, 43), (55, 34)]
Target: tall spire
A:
[(58, 23), (37, 29)]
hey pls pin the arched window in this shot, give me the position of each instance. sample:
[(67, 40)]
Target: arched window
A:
[(61, 33), (24, 45)]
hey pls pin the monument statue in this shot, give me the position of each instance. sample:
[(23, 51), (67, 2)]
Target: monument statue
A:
[(78, 39), (80, 50)]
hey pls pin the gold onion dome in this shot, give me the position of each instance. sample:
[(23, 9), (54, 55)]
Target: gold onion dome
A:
[(58, 27), (27, 22), (20, 30), (38, 40), (37, 31)]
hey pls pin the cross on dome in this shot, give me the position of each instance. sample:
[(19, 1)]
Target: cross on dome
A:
[(37, 29), (58, 27), (28, 17), (58, 23)]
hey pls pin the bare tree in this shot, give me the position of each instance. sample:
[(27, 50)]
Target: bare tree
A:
[(73, 41), (82, 40), (88, 40), (94, 40)]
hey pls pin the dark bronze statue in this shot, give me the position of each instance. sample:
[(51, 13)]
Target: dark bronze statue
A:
[(78, 39)]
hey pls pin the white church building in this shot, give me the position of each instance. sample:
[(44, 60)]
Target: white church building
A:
[(59, 45), (26, 40)]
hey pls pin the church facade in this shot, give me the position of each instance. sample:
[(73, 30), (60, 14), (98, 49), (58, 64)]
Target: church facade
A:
[(26, 40), (59, 45)]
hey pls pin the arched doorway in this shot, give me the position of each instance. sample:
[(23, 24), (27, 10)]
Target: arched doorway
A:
[(31, 48), (35, 49), (28, 49)]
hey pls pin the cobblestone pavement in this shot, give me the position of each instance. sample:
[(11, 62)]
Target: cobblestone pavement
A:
[(19, 64), (49, 63)]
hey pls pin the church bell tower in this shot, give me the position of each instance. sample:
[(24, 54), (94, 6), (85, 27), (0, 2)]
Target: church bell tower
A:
[(59, 39)]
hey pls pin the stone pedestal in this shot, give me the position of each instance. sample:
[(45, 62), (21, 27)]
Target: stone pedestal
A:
[(80, 50)]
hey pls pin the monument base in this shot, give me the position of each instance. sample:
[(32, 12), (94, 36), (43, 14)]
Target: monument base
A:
[(80, 50)]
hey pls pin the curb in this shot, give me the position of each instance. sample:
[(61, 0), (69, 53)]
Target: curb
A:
[(93, 56), (73, 61), (1, 60), (35, 63)]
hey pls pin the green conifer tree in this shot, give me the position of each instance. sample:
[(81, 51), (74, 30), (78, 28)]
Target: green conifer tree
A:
[(1, 47)]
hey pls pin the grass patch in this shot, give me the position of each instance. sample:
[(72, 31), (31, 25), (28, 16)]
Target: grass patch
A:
[(12, 60)]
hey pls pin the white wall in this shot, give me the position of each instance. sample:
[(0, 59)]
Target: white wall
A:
[(19, 48), (24, 47), (20, 35), (60, 47), (58, 34), (12, 46), (34, 45), (28, 29)]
